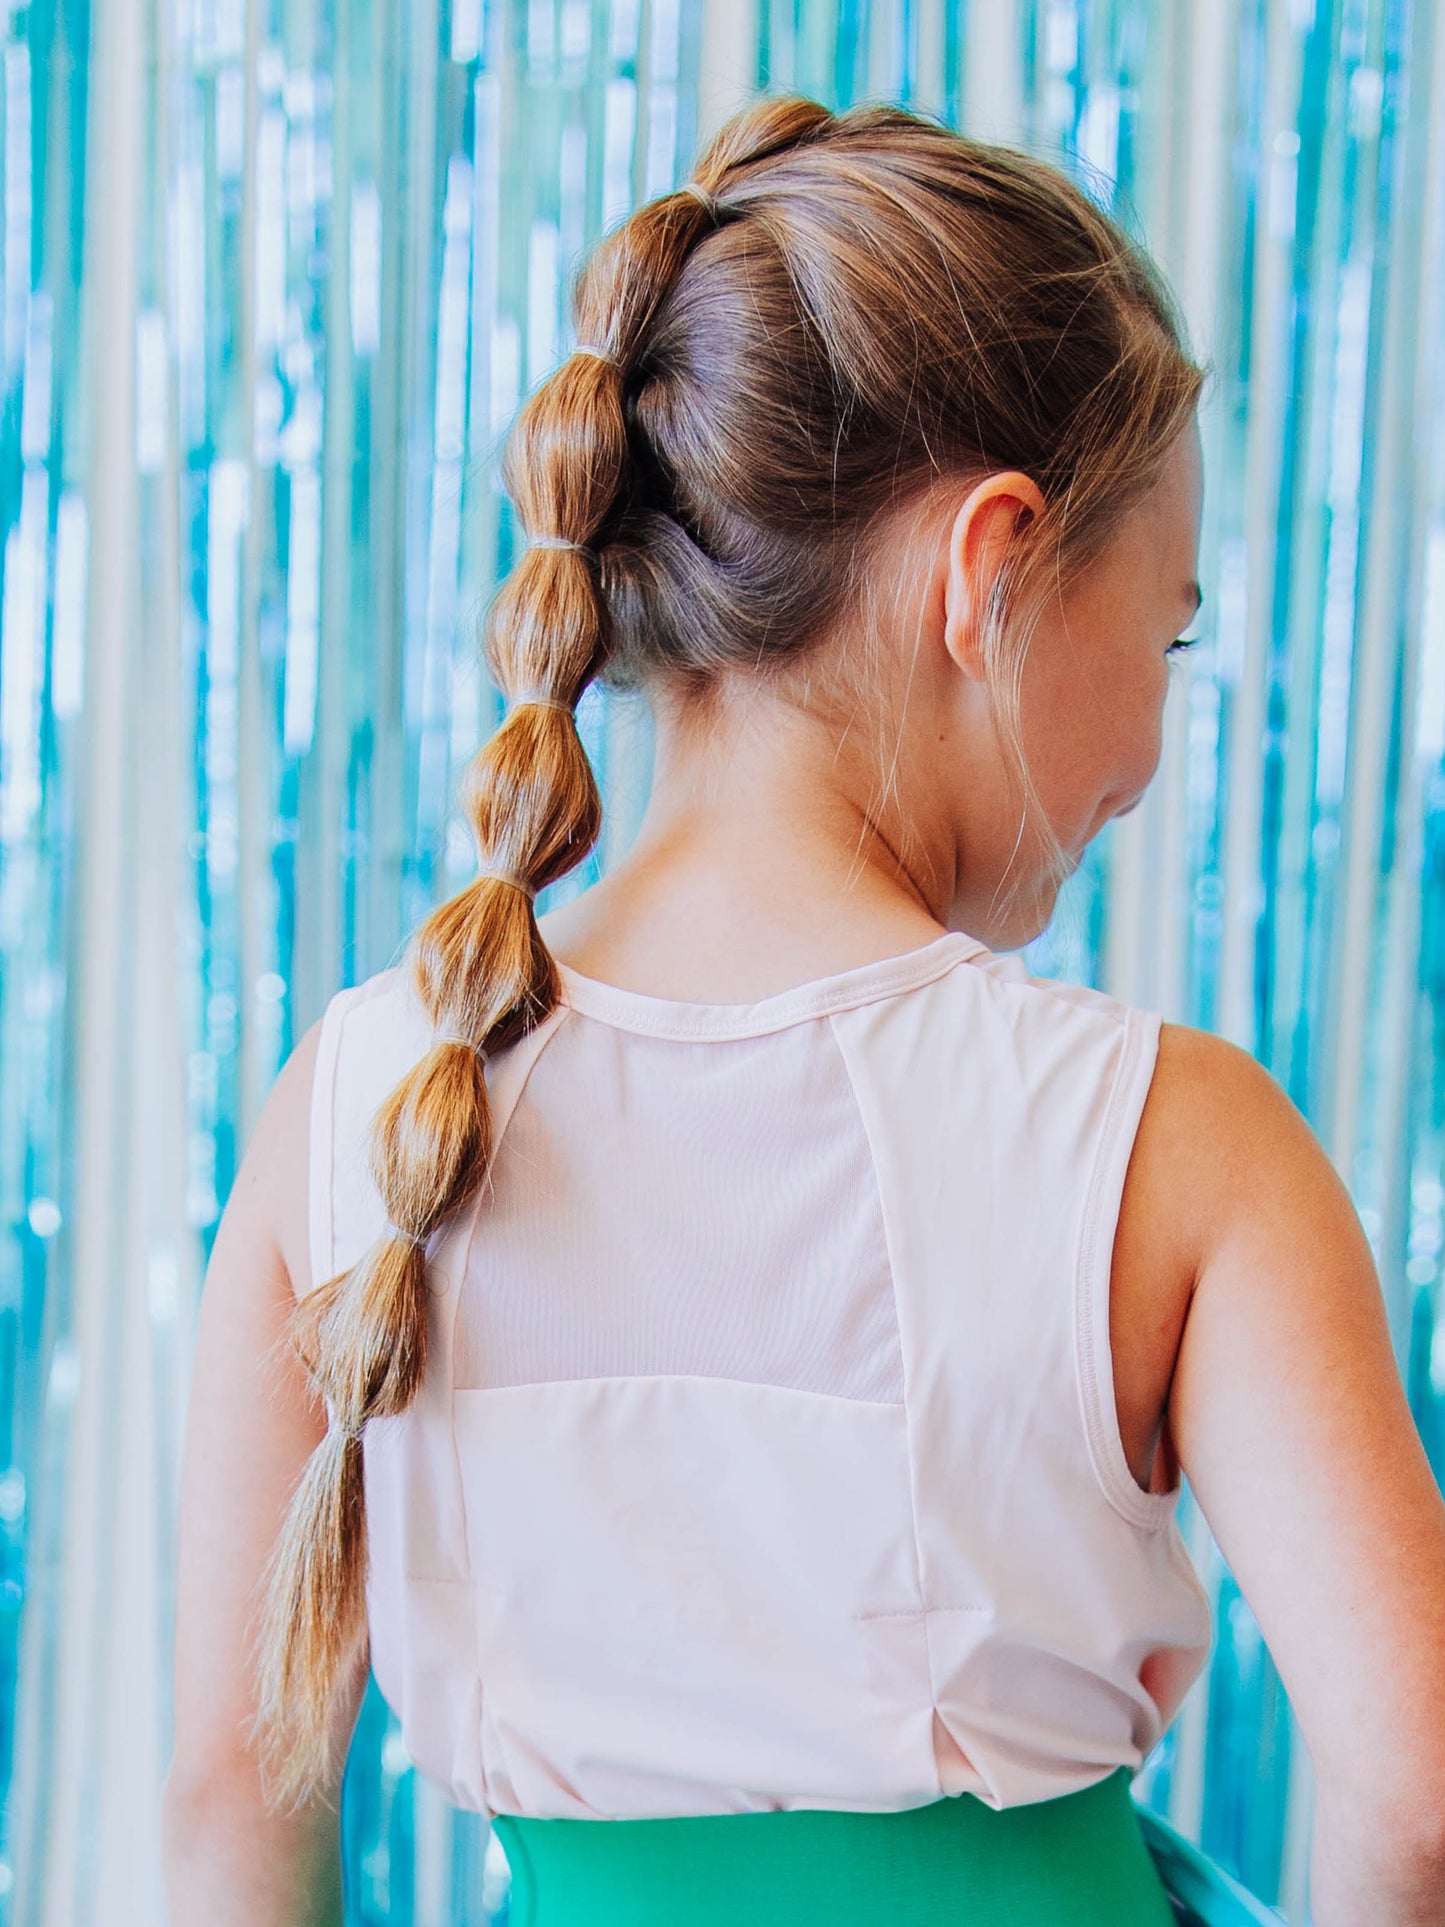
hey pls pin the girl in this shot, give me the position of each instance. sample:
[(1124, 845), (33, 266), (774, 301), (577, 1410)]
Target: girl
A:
[(758, 1328)]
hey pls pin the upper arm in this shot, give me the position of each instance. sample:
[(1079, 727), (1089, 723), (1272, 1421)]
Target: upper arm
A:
[(252, 1422), (1290, 1419)]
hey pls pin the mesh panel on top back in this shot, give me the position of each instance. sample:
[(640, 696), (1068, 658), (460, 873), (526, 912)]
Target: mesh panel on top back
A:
[(705, 1207)]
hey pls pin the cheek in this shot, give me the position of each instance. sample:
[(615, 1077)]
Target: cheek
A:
[(1098, 712), (1144, 750), (1117, 746), (1148, 729)]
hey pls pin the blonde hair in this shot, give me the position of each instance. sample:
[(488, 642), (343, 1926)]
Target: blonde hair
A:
[(838, 314)]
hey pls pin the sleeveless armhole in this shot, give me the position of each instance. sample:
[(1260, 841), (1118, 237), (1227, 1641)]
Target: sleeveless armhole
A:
[(1137, 1051), (322, 1140)]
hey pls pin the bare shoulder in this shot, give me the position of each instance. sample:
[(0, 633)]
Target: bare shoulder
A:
[(1209, 1108), (1289, 1417), (252, 1424), (1163, 1224)]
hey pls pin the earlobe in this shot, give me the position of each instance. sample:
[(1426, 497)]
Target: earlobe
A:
[(960, 627), (964, 598), (996, 510)]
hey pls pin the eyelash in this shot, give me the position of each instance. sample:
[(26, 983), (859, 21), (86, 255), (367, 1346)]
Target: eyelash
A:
[(1181, 642)]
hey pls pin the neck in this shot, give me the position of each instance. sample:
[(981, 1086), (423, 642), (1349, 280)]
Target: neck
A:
[(760, 861)]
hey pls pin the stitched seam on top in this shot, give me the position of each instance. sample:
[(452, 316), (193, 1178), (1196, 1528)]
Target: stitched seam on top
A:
[(706, 1378), (464, 1257), (807, 1007), (922, 1610), (1146, 1511)]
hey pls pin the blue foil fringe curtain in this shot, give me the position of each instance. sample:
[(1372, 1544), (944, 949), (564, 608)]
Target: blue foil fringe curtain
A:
[(273, 280)]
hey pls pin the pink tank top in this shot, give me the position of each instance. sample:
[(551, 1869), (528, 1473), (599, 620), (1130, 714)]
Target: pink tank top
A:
[(767, 1453)]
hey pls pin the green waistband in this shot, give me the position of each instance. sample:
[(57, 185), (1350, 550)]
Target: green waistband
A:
[(1076, 1861)]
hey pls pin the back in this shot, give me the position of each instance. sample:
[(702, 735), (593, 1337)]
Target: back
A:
[(767, 1454)]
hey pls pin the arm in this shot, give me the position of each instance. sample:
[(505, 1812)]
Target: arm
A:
[(252, 1422), (1291, 1422)]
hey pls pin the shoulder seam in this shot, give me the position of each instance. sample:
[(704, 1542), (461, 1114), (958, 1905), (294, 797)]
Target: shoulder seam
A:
[(1063, 990), (835, 1031)]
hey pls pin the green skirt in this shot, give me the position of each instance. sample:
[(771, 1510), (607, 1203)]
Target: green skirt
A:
[(1076, 1861)]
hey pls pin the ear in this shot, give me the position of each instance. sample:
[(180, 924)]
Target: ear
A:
[(991, 516)]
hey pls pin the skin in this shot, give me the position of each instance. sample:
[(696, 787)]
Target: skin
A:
[(251, 1425), (766, 856), (1245, 1314)]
